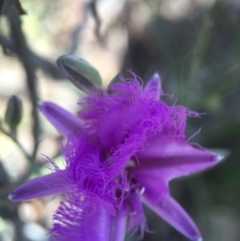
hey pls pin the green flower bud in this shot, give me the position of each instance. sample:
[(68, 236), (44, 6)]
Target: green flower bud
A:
[(13, 114), (80, 72)]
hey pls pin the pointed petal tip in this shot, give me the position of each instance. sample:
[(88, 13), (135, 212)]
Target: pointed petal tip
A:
[(43, 104), (171, 211), (11, 197), (199, 239), (219, 154), (14, 198), (154, 86), (220, 158), (51, 184), (156, 75), (61, 119), (40, 104), (156, 79)]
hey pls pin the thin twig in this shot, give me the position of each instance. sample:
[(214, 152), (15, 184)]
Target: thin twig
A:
[(28, 157), (39, 62), (34, 166), (25, 57), (93, 9), (75, 36)]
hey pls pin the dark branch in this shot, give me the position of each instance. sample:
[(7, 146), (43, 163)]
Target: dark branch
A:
[(25, 56), (93, 9), (39, 62)]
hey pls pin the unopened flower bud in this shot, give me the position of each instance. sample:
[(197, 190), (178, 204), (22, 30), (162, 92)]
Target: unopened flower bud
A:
[(80, 72), (13, 114)]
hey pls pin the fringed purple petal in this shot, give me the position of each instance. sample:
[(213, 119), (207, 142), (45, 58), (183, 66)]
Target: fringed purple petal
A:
[(133, 112), (171, 157), (122, 109), (122, 121), (173, 213), (86, 167), (81, 218), (154, 86), (51, 184), (61, 119)]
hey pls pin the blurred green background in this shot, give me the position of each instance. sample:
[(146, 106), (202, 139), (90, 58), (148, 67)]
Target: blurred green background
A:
[(193, 44)]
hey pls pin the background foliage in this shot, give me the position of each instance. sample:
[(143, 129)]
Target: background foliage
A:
[(193, 44)]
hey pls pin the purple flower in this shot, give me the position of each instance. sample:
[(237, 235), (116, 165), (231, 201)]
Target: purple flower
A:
[(121, 151)]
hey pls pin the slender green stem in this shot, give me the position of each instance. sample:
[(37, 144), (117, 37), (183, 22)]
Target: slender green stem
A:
[(14, 138)]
